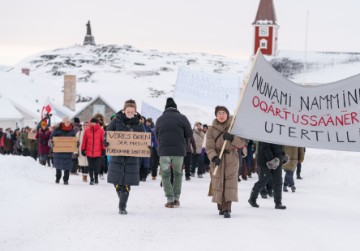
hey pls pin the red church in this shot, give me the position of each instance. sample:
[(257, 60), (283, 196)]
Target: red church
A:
[(266, 29)]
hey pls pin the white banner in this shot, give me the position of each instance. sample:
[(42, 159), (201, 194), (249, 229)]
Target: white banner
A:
[(210, 89), (274, 109), (150, 112)]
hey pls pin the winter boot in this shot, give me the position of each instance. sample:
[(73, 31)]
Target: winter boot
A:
[(91, 181), (271, 193), (293, 188), (227, 214), (279, 206), (252, 200), (124, 195), (285, 188), (298, 177), (96, 180), (84, 178)]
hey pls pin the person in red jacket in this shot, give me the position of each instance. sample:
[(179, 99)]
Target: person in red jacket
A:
[(93, 147)]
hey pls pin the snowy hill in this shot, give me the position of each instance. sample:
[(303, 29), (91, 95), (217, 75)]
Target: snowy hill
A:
[(5, 68), (37, 214), (115, 72), (321, 67), (118, 73)]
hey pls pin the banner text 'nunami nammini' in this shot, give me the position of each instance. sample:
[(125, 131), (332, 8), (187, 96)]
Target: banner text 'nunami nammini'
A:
[(276, 110)]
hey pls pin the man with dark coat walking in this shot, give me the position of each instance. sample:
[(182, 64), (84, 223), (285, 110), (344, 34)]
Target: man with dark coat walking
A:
[(270, 159), (172, 130)]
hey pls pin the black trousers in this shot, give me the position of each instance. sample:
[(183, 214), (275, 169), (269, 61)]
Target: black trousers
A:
[(59, 173), (94, 167), (264, 175), (187, 164), (154, 162)]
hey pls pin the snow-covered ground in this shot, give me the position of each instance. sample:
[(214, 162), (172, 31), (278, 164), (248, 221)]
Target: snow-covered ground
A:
[(37, 214)]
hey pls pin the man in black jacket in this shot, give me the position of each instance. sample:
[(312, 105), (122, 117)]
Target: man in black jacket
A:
[(270, 159), (172, 130)]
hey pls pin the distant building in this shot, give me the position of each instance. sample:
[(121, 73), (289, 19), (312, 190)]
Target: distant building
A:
[(96, 105), (14, 115), (266, 29), (89, 38), (25, 71)]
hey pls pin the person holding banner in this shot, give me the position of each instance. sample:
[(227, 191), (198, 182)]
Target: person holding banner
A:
[(124, 170), (224, 182), (62, 160), (296, 156), (270, 158)]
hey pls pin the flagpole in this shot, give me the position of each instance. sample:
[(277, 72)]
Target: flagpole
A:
[(306, 44), (237, 108)]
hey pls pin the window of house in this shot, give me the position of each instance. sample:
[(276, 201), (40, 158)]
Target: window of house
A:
[(263, 44)]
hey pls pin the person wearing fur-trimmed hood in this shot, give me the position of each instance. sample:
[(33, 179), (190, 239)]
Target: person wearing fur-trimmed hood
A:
[(224, 182), (124, 170)]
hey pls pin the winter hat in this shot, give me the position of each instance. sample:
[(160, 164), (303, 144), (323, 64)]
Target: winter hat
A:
[(221, 108), (129, 103), (43, 123), (170, 103), (76, 120), (94, 120), (149, 120)]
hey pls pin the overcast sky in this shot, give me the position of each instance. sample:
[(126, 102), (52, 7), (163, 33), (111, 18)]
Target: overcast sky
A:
[(212, 26)]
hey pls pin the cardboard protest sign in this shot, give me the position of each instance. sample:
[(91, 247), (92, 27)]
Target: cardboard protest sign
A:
[(31, 134), (274, 109), (65, 144), (210, 89), (135, 144)]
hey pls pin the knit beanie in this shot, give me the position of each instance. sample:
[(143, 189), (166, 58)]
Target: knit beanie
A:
[(76, 120), (170, 103), (129, 103), (221, 108), (43, 123)]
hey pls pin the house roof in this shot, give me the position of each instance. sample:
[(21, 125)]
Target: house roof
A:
[(266, 13), (8, 110), (89, 103)]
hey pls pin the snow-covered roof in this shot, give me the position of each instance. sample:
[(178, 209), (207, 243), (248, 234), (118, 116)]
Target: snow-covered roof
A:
[(8, 111)]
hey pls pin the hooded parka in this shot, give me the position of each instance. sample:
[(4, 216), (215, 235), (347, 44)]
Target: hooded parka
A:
[(124, 170), (225, 181)]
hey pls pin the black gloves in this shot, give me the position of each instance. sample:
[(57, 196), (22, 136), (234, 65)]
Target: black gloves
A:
[(216, 160), (228, 136), (83, 153), (106, 144)]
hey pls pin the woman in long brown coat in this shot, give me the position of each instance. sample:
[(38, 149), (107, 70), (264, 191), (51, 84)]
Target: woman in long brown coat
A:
[(225, 181)]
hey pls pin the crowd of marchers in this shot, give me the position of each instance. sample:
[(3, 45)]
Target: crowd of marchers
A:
[(176, 148)]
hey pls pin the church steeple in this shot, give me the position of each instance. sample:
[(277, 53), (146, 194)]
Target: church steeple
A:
[(266, 28), (89, 38), (266, 13)]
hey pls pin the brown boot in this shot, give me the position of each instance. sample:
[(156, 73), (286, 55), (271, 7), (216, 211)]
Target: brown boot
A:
[(84, 177)]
